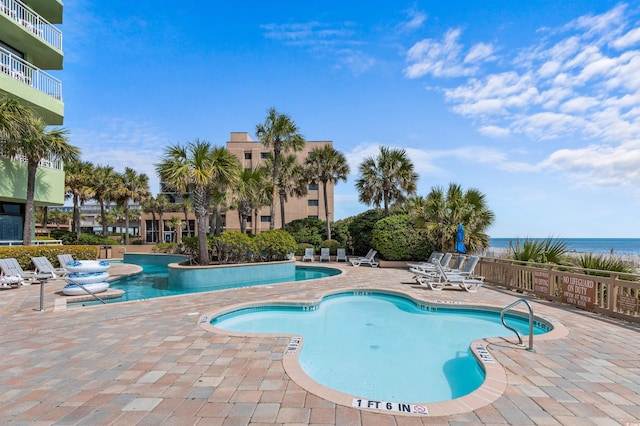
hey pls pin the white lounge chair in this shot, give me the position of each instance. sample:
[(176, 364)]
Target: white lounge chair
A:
[(341, 254), (429, 266), (64, 259), (324, 254), (308, 255), (44, 266), (440, 279), (369, 259), (11, 268)]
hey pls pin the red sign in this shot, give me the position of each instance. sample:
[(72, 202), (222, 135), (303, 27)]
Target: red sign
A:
[(541, 282), (577, 291)]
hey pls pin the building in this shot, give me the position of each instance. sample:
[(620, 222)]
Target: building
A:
[(251, 154), (30, 43)]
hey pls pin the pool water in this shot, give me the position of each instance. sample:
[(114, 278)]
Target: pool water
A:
[(382, 347), (154, 282)]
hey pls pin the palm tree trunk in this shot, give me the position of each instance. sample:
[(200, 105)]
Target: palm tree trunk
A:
[(326, 209), (282, 201), (45, 217), (126, 223), (103, 219), (30, 204)]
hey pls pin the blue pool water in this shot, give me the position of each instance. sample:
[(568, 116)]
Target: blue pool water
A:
[(382, 347), (154, 282)]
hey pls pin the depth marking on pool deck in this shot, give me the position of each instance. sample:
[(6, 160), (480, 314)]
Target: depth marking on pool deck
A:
[(484, 354), (390, 406), (293, 345)]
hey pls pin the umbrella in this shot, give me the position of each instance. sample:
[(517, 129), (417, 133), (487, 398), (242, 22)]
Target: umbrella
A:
[(460, 248)]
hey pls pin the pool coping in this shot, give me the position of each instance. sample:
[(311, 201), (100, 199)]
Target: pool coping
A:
[(490, 390)]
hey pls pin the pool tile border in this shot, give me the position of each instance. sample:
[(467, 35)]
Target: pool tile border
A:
[(492, 388)]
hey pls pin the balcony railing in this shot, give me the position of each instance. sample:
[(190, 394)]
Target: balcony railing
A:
[(49, 163), (19, 69), (34, 23)]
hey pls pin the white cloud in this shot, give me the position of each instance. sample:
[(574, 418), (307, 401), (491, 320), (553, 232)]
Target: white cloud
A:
[(479, 52), (439, 58), (415, 19), (629, 39), (495, 131), (111, 145)]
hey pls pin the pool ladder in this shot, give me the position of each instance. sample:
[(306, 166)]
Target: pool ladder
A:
[(530, 348)]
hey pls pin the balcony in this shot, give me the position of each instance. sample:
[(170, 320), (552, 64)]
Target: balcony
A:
[(22, 71), (23, 15)]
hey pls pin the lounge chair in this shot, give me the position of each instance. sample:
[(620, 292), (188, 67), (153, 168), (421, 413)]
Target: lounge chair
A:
[(369, 259), (44, 266), (429, 266), (341, 254), (441, 278), (308, 255), (64, 259), (11, 268), (324, 254)]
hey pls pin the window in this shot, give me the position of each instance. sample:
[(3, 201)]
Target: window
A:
[(312, 216), (265, 219), (313, 187), (312, 203), (247, 156), (264, 155)]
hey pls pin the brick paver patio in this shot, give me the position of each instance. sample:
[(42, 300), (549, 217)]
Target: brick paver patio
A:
[(149, 362)]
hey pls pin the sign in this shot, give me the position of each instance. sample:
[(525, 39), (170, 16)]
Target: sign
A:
[(627, 303), (580, 292), (292, 348), (541, 281), (398, 407), (484, 354)]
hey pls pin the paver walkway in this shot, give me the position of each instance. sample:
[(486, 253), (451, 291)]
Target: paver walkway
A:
[(150, 363)]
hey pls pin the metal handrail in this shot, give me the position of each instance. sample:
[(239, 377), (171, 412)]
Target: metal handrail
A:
[(95, 296), (530, 348)]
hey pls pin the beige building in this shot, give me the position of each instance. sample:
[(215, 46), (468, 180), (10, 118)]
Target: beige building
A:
[(251, 154)]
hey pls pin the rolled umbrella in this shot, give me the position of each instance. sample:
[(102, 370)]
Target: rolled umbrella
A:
[(460, 248)]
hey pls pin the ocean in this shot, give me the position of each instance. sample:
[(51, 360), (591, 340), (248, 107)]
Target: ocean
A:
[(622, 246)]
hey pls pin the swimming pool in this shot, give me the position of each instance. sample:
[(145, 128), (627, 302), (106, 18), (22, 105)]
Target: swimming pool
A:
[(382, 347), (154, 282)]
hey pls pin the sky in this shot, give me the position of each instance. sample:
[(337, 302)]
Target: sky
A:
[(536, 104)]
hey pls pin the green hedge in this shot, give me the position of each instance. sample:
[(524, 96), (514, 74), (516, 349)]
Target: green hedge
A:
[(23, 254)]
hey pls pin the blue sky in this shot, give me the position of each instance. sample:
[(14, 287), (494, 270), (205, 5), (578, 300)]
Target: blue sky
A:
[(536, 103)]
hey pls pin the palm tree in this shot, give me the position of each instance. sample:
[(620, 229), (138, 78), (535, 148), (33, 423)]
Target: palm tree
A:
[(387, 178), (132, 187), (149, 206), (327, 165), (249, 183), (291, 181), (193, 168), (226, 172), (443, 212), (281, 135), (161, 205), (104, 183), (77, 181), (26, 134), (187, 206)]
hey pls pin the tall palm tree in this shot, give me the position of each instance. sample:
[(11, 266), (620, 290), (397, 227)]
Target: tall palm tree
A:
[(26, 134), (249, 183), (104, 184), (226, 172), (193, 168), (77, 180), (149, 206), (387, 178), (327, 165), (291, 181), (187, 206), (161, 205), (281, 135), (443, 211), (132, 187)]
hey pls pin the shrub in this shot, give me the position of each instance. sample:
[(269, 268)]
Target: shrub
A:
[(302, 247), (601, 262), (23, 254), (312, 231), (275, 244), (166, 248), (549, 250), (361, 227), (234, 247), (333, 246), (396, 238)]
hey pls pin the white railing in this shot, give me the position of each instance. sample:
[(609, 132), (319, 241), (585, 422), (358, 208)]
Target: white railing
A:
[(19, 69), (33, 242), (49, 163), (34, 23)]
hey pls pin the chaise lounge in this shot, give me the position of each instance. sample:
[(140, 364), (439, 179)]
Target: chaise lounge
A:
[(369, 259)]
